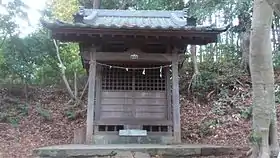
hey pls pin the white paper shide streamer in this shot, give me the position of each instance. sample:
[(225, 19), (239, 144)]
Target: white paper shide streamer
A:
[(135, 68)]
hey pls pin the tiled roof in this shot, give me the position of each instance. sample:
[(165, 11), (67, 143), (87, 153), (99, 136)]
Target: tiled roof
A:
[(139, 19), (132, 19)]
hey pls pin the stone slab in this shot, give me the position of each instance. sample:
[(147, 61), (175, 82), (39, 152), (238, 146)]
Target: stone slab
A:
[(115, 139), (141, 155), (110, 150), (124, 154)]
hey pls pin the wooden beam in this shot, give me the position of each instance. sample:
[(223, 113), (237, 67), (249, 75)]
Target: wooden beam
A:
[(91, 97), (118, 121), (125, 56), (175, 40), (90, 38), (176, 99), (139, 32)]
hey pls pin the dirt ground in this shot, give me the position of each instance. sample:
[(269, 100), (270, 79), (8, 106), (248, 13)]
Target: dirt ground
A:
[(44, 121)]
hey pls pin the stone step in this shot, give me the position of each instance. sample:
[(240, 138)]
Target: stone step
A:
[(141, 155), (128, 154), (130, 151)]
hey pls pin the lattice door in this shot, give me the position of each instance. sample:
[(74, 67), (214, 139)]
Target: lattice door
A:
[(133, 93), (121, 79), (117, 79)]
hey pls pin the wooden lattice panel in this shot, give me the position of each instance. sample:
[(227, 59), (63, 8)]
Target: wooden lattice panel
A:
[(149, 81), (116, 79), (121, 79)]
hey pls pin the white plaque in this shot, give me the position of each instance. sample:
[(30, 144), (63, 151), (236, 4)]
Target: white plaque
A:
[(132, 132)]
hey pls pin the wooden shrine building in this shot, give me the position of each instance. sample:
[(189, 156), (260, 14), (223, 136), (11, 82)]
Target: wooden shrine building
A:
[(132, 61)]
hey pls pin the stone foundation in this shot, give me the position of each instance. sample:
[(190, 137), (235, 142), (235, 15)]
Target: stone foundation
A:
[(115, 139), (130, 151)]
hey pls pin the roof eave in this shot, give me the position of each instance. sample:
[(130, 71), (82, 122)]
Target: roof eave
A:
[(80, 26)]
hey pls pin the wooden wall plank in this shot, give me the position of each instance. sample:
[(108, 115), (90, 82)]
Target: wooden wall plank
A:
[(130, 108), (139, 101), (124, 94), (150, 94), (137, 94), (150, 115), (116, 101), (116, 114), (113, 108), (152, 109)]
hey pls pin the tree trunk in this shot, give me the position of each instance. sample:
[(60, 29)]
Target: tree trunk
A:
[(262, 75), (194, 59), (245, 48), (274, 42), (277, 26), (196, 74), (245, 27), (26, 90), (96, 4)]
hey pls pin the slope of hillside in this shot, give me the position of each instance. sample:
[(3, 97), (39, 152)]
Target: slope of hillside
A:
[(222, 120), (43, 124)]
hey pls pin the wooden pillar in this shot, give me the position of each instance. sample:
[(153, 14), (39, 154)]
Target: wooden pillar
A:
[(91, 91), (168, 89), (176, 99), (98, 87), (168, 93)]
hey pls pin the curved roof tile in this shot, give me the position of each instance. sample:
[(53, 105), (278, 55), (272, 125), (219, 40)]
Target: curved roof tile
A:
[(135, 18), (132, 19)]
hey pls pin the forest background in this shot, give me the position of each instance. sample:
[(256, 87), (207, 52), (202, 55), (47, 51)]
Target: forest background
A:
[(214, 78)]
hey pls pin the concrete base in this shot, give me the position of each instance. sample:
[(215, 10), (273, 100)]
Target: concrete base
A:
[(114, 151), (115, 139)]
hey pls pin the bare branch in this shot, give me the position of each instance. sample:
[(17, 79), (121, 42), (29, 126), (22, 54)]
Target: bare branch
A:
[(62, 68), (81, 97), (275, 5), (3, 41), (75, 84)]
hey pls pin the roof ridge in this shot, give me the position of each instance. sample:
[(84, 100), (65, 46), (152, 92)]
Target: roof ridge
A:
[(132, 13), (127, 10)]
